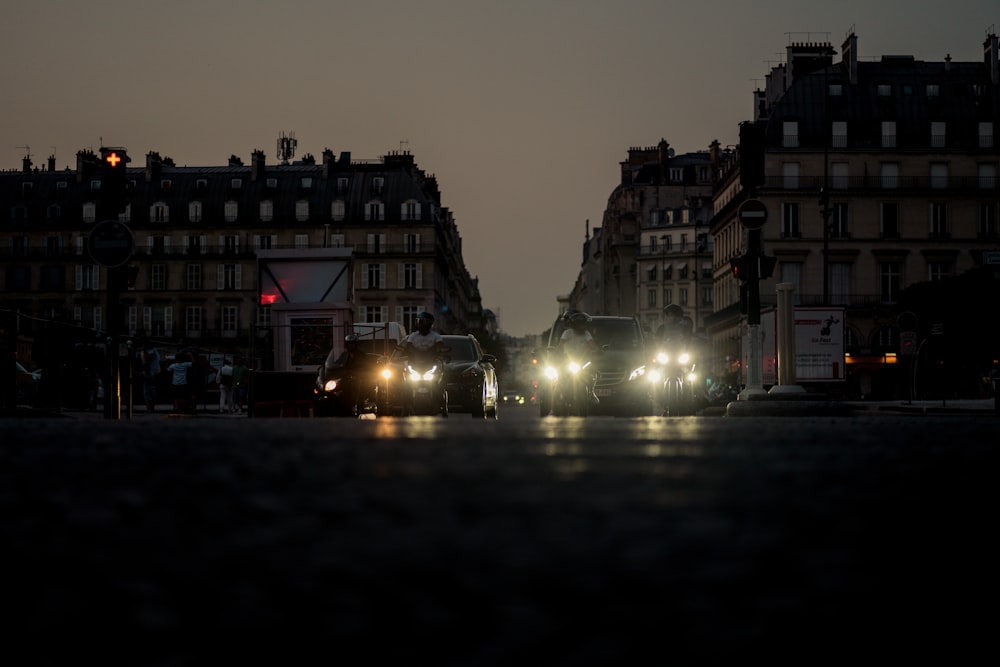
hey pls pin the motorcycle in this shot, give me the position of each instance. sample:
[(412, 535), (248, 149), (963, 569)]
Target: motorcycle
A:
[(424, 390), (346, 392), (570, 386), (675, 378)]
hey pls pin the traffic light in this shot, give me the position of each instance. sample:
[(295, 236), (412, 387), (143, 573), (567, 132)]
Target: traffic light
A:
[(115, 186), (751, 153), (740, 267), (765, 266)]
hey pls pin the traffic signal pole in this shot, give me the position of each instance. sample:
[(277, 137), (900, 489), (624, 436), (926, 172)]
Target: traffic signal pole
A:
[(755, 348)]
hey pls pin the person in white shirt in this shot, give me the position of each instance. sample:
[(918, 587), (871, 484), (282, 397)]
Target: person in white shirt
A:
[(576, 342), (424, 339)]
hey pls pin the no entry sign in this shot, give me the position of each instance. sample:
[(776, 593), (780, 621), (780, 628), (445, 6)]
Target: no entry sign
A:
[(752, 214)]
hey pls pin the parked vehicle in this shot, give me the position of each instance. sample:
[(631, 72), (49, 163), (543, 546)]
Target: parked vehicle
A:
[(470, 377), (620, 384)]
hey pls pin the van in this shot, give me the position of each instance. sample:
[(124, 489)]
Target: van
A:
[(379, 337)]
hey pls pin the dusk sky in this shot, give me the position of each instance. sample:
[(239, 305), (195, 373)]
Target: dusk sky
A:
[(522, 109)]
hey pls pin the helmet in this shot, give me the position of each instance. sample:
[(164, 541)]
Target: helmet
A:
[(579, 319), (673, 310), (350, 338), (424, 315)]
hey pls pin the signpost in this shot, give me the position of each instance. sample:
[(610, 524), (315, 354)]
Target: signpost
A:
[(110, 243), (752, 214)]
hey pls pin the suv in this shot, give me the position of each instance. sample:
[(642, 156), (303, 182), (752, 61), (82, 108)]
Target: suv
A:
[(621, 385)]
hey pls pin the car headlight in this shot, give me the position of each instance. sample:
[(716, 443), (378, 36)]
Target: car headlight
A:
[(654, 376), (684, 358), (573, 367), (386, 374), (662, 357), (551, 373), (330, 385), (637, 373)]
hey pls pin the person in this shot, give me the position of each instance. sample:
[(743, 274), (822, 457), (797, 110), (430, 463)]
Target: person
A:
[(577, 342), (179, 381), (225, 380), (360, 368), (673, 322), (425, 338), (150, 359), (241, 379)]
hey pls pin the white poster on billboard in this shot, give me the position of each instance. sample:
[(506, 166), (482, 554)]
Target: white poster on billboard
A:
[(819, 344)]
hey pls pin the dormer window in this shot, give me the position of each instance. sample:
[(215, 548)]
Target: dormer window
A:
[(201, 185), (272, 183), (165, 186), (306, 182), (835, 90), (26, 189), (342, 186), (884, 90), (236, 183), (932, 90), (377, 184), (95, 185)]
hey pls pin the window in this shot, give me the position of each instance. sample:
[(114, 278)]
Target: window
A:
[(790, 175), (988, 219), (231, 210), (683, 296), (676, 175), (266, 210), (939, 175), (932, 90), (668, 273), (986, 134), (838, 134), (18, 277), (790, 134), (939, 220), (410, 210), (651, 298), (790, 220), (888, 134), (271, 183), (938, 134), (200, 185), (884, 90), (88, 277), (53, 212), (89, 212), (265, 241), (706, 296), (337, 209), (236, 183), (987, 176), (159, 212), (890, 220), (888, 281), (342, 184), (193, 272), (229, 321), (651, 273), (668, 296), (938, 270), (377, 183), (889, 175), (682, 272), (306, 182), (301, 240), (372, 276), (230, 277), (840, 283), (834, 90), (337, 240), (158, 277), (839, 178), (158, 320), (302, 210), (194, 244), (229, 244), (157, 245), (375, 210), (839, 228), (411, 243), (410, 275), (376, 313), (376, 243), (53, 246), (18, 246), (53, 278), (89, 317), (194, 211), (192, 321)]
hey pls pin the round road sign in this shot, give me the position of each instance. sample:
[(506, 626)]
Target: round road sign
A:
[(752, 214), (111, 243)]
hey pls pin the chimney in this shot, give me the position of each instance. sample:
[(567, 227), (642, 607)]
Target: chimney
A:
[(947, 63), (152, 166), (327, 163), (86, 165), (256, 165), (235, 161), (992, 58), (26, 164), (850, 57), (52, 163)]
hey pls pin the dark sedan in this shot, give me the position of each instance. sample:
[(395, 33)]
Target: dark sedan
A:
[(470, 377)]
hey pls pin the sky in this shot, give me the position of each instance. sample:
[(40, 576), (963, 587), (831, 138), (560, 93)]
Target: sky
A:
[(522, 109)]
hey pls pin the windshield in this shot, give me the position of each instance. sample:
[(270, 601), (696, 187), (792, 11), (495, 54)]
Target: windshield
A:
[(461, 349), (616, 333)]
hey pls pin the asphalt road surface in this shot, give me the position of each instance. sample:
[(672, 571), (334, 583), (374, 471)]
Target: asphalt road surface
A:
[(165, 542)]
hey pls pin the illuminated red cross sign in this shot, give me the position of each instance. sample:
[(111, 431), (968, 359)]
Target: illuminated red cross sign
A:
[(113, 159)]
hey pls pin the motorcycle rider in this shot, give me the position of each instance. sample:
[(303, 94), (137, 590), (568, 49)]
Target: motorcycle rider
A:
[(673, 323), (577, 342), (423, 342)]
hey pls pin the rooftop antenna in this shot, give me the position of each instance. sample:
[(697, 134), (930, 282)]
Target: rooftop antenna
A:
[(402, 143), (286, 147), (27, 150)]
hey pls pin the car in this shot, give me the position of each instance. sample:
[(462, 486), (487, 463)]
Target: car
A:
[(620, 386), (511, 397), (470, 377)]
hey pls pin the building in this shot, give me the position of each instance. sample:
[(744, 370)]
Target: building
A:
[(196, 233), (877, 175)]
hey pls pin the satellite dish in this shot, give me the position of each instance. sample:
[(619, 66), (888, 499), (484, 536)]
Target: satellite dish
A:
[(670, 152)]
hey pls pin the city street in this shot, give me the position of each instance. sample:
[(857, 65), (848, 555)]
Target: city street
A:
[(223, 540)]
